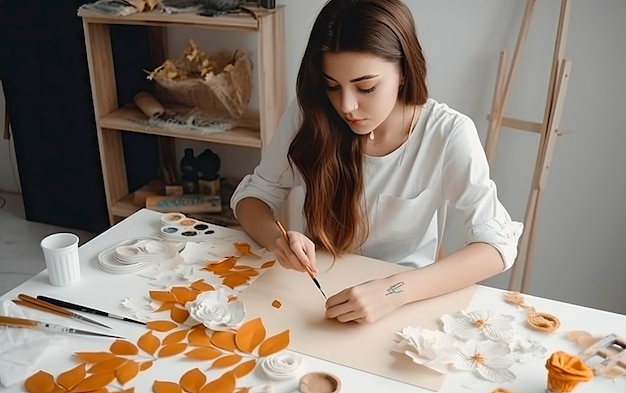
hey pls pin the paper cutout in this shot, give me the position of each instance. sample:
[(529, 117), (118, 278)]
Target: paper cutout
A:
[(488, 359), (282, 365), (536, 320)]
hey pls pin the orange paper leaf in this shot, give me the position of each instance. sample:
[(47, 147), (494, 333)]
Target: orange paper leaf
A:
[(234, 280), (94, 382), (199, 337), (203, 354), (165, 306), (244, 368), (184, 295), (224, 384), (161, 326), (274, 344), (268, 264), (162, 296), (193, 380), (202, 286), (224, 340), (93, 357), (226, 361), (127, 372), (72, 377), (175, 337), (107, 366), (148, 342), (145, 365), (250, 335), (166, 387), (244, 248), (179, 315), (242, 272), (243, 390), (171, 350), (40, 382), (123, 347), (223, 266)]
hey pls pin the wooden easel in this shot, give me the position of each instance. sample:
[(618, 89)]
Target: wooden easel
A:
[(548, 130)]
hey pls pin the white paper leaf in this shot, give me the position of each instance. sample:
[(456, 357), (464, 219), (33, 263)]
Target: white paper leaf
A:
[(498, 375)]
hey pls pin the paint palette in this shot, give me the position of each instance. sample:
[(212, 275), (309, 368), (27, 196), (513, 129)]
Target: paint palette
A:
[(178, 227)]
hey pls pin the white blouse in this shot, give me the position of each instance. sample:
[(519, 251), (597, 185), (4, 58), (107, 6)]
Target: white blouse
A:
[(407, 191)]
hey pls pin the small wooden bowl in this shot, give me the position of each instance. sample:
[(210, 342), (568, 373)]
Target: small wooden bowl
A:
[(319, 382)]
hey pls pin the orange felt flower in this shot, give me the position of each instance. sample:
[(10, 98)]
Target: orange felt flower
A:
[(566, 371)]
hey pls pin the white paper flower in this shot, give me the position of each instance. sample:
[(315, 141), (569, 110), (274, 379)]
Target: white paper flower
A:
[(282, 365), (523, 349), (489, 359), (471, 325), (431, 348), (214, 311)]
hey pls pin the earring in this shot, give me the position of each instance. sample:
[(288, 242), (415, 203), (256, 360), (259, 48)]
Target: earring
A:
[(372, 136)]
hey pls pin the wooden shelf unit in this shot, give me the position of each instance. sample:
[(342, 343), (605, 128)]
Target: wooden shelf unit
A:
[(255, 129)]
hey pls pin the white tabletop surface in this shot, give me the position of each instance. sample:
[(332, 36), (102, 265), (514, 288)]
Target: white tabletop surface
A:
[(102, 290)]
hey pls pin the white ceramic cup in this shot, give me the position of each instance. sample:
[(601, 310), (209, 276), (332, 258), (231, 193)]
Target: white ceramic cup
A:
[(60, 251)]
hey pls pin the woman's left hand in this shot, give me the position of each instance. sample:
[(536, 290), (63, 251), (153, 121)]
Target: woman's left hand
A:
[(366, 302)]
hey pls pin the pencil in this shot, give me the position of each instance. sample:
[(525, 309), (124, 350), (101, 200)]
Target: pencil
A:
[(308, 269)]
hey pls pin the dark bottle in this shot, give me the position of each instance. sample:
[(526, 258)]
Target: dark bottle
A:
[(208, 165), (189, 172)]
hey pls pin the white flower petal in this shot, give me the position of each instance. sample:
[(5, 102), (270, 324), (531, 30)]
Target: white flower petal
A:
[(498, 375)]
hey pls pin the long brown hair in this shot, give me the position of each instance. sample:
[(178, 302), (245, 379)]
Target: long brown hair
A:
[(325, 150)]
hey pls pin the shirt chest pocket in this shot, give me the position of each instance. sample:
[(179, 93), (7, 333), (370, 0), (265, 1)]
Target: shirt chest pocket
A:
[(399, 220)]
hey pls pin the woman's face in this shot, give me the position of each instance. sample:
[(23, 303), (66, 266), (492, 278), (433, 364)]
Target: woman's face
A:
[(362, 88)]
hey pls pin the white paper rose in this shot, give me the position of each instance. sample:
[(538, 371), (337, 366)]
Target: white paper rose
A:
[(214, 311), (431, 348)]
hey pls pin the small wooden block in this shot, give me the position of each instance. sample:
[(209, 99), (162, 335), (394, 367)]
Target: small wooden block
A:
[(209, 187), (174, 190)]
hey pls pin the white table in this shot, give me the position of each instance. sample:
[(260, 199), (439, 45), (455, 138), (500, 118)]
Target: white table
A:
[(105, 291)]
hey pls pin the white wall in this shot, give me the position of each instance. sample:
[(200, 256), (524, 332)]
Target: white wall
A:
[(9, 178), (580, 256)]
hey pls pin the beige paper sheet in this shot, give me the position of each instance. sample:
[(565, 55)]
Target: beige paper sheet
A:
[(367, 347)]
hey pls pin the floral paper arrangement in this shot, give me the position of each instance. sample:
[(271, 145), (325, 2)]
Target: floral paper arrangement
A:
[(207, 325), (480, 341)]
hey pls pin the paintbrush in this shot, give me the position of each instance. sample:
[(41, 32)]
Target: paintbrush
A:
[(48, 327), (78, 307), (29, 301), (308, 269)]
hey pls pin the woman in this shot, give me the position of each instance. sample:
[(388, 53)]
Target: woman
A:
[(379, 161)]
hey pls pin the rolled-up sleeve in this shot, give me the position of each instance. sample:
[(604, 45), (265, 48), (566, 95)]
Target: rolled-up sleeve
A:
[(273, 178), (471, 190)]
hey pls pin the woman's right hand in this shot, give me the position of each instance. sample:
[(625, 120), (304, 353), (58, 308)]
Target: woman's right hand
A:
[(297, 252)]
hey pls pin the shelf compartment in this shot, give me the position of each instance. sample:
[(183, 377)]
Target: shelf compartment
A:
[(246, 134)]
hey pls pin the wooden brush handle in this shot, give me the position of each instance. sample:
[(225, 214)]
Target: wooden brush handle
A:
[(17, 322), (29, 301)]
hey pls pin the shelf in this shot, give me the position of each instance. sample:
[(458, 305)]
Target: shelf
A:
[(247, 134), (129, 205), (242, 21)]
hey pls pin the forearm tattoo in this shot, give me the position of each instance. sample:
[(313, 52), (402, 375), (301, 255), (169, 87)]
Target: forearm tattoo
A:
[(395, 288)]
